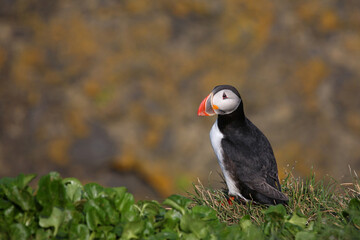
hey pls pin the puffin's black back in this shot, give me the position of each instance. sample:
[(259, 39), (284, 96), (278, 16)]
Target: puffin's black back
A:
[(249, 157)]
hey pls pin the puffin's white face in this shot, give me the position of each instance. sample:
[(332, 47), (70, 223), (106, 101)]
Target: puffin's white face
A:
[(222, 102), (225, 102)]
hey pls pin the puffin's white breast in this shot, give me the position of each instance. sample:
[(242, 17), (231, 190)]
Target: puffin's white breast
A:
[(215, 137)]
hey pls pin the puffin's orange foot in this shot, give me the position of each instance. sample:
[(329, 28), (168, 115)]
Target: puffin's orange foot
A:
[(230, 200)]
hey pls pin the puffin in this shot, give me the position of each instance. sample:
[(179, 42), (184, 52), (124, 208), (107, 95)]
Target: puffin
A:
[(245, 155)]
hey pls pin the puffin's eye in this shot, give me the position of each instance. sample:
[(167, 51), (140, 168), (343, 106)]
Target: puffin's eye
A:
[(224, 96)]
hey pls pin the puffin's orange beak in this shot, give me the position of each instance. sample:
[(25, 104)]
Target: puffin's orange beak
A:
[(205, 108)]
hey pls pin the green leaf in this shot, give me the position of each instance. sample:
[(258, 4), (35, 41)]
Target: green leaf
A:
[(10, 213), (275, 214), (73, 188), (92, 219), (94, 190), (17, 191), (204, 212), (165, 235), (114, 192), (24, 180), (55, 219), (43, 234), (189, 236), (191, 223), (104, 228), (172, 219), (148, 208), (352, 213), (94, 214), (4, 204), (118, 230), (250, 231), (73, 216), (51, 192), (100, 211), (178, 202), (245, 222), (277, 210), (149, 228), (124, 203), (298, 221), (112, 216), (354, 205), (133, 230), (79, 232), (21, 180), (305, 236), (120, 191), (20, 197), (19, 232)]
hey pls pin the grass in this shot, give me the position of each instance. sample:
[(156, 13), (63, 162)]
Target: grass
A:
[(317, 200)]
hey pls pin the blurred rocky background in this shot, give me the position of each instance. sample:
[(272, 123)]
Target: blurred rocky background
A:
[(108, 90)]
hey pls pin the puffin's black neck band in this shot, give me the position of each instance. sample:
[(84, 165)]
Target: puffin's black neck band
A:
[(235, 119)]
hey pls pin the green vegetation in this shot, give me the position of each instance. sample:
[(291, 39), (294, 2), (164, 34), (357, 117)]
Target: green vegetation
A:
[(65, 209)]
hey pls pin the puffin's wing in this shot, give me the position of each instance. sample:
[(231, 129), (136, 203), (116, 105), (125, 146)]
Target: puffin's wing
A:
[(253, 168), (264, 188), (251, 177)]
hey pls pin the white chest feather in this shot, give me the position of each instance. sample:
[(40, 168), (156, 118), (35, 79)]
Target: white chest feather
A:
[(215, 137)]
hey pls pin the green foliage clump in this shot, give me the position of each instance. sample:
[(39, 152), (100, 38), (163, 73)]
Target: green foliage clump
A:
[(65, 209)]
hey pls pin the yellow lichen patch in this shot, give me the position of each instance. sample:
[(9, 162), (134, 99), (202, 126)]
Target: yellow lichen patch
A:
[(75, 35), (185, 7), (353, 121), (158, 176), (300, 157), (33, 56), (352, 43), (25, 67), (309, 76), (323, 19), (308, 10), (290, 153), (91, 88), (52, 77), (152, 138), (155, 173), (329, 21), (154, 134), (180, 8), (138, 7), (72, 42), (142, 34), (58, 151), (248, 22), (33, 97), (77, 123), (126, 161), (2, 56), (184, 180)]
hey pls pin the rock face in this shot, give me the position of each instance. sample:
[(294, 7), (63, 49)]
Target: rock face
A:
[(93, 87)]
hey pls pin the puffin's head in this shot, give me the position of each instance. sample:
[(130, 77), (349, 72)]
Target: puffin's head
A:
[(223, 99)]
